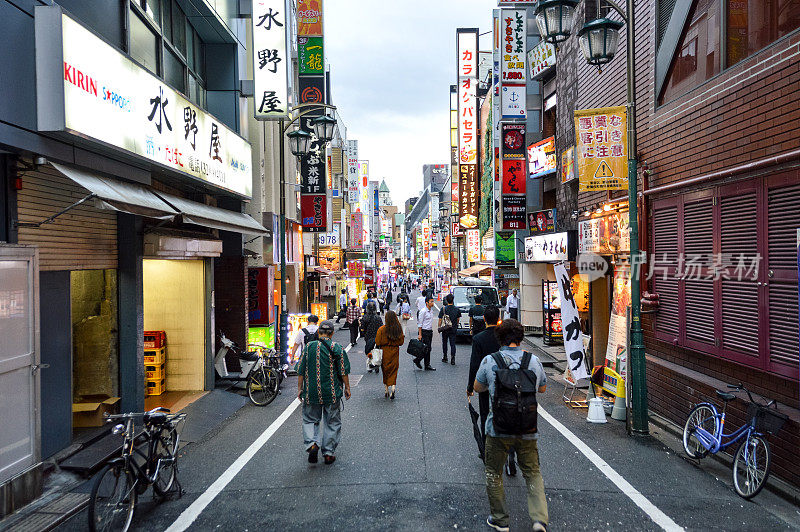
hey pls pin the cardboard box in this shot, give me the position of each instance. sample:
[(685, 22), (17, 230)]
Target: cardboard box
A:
[(90, 411)]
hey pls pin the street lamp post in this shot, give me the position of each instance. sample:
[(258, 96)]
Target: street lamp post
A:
[(299, 141), (598, 41)]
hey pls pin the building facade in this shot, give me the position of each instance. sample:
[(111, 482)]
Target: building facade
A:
[(719, 203), (126, 164)]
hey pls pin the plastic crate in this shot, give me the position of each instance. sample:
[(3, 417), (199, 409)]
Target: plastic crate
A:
[(155, 387), (766, 420), (155, 339), (154, 373), (155, 357)]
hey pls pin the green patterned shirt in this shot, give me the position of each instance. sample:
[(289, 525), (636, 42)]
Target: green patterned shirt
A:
[(323, 366)]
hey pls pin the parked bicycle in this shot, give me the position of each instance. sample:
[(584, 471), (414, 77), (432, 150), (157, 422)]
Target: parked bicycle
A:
[(262, 380), (149, 458), (703, 434)]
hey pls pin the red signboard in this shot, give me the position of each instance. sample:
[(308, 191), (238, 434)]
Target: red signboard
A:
[(369, 276), (355, 269), (314, 212), (514, 177)]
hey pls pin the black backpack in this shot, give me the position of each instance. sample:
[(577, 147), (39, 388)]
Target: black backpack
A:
[(514, 402), (309, 336)]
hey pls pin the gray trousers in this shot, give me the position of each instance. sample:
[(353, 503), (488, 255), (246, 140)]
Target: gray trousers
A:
[(327, 437)]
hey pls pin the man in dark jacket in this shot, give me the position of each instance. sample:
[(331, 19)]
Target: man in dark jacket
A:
[(484, 343)]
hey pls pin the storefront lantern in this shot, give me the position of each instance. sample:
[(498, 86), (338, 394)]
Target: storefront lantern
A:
[(599, 39), (554, 18)]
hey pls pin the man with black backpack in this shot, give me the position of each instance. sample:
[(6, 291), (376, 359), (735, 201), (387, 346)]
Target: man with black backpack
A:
[(512, 378), (306, 335)]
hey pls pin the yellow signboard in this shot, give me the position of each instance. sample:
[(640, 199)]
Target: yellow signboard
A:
[(602, 148)]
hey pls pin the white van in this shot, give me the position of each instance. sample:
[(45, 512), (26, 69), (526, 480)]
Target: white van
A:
[(464, 299)]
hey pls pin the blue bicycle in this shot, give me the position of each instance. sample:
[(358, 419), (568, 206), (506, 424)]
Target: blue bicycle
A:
[(703, 434)]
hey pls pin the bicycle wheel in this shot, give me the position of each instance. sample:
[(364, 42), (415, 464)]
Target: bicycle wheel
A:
[(262, 386), (751, 466), (701, 416), (166, 448), (113, 500)]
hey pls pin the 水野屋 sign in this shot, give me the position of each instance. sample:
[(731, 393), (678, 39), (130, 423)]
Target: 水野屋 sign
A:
[(86, 87)]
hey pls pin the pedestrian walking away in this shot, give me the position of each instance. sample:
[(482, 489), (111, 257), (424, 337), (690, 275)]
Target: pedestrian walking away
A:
[(421, 302), (425, 333), (484, 343), (353, 320), (448, 325), (512, 378), (390, 338), (476, 320), (404, 311), (322, 379), (342, 306), (305, 335), (512, 305), (369, 330)]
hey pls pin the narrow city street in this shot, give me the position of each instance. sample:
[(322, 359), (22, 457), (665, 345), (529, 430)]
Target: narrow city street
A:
[(412, 464)]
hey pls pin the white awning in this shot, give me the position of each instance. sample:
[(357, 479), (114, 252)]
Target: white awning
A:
[(118, 195), (196, 213)]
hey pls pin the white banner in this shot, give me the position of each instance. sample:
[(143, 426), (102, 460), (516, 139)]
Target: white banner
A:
[(270, 62), (352, 172), (473, 245), (330, 239), (467, 45), (571, 325)]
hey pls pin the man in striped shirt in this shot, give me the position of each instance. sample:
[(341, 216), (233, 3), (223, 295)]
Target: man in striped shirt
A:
[(323, 371)]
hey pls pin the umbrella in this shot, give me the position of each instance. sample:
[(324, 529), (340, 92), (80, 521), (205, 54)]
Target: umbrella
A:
[(476, 431)]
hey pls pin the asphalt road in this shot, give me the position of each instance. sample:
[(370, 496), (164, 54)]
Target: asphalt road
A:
[(411, 464)]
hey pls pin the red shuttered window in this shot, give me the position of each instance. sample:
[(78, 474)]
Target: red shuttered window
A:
[(724, 264)]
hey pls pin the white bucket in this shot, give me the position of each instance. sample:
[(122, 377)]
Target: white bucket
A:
[(596, 413)]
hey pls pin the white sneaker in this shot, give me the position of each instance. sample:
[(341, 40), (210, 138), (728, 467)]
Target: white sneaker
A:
[(495, 525)]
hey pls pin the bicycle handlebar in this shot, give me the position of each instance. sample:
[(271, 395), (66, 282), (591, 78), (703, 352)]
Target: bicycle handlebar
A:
[(136, 414), (741, 386)]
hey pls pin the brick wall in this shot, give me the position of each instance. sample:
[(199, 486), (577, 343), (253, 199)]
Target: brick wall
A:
[(230, 295)]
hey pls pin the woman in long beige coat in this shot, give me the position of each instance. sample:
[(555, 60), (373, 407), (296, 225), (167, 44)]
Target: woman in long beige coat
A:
[(390, 338)]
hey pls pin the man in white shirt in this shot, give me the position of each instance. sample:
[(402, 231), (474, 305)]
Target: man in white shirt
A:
[(425, 332), (307, 333), (512, 305)]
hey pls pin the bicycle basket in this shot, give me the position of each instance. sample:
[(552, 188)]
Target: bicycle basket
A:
[(767, 420)]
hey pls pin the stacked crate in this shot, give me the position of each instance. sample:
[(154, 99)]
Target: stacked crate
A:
[(155, 357)]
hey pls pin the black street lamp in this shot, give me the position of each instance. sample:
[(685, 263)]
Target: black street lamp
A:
[(299, 140), (324, 127), (598, 40), (554, 19)]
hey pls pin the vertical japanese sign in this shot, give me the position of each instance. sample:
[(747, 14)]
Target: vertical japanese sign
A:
[(473, 245), (311, 57), (512, 63), (352, 172), (314, 211), (602, 148), (357, 231), (513, 176), (467, 72), (505, 249), (270, 63), (311, 89), (309, 18), (573, 336)]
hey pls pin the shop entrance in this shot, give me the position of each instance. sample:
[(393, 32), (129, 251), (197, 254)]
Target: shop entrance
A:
[(175, 303)]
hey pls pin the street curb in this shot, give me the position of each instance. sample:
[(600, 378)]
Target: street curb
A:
[(777, 486)]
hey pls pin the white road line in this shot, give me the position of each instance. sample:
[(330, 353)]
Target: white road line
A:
[(191, 513), (658, 517)]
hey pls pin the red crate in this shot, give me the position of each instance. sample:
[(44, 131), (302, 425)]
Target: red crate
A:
[(155, 339)]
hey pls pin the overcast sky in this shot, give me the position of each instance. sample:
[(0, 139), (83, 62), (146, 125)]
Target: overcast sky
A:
[(392, 64)]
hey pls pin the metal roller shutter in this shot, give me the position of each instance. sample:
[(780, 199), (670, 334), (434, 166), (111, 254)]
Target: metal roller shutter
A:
[(83, 238)]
